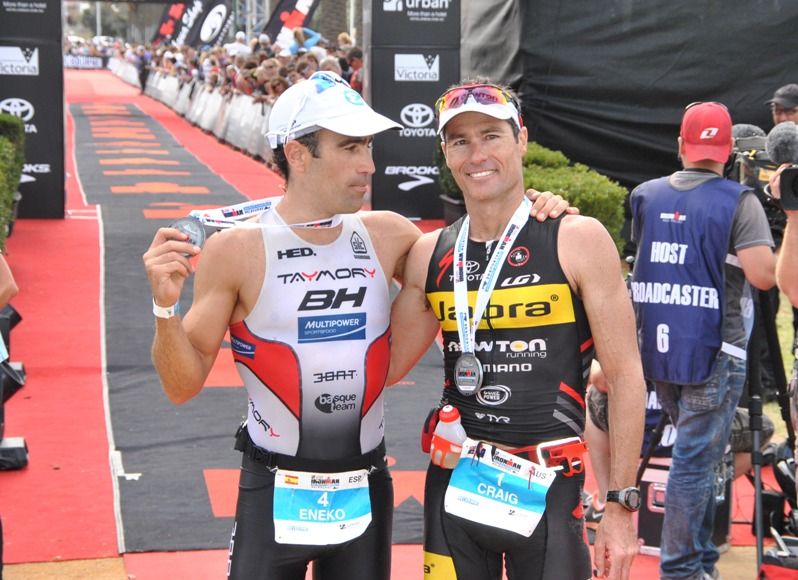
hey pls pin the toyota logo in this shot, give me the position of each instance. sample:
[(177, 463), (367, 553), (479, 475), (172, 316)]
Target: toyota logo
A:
[(417, 115), (213, 23), (17, 107), (472, 266)]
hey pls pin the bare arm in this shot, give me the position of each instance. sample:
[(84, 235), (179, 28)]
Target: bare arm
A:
[(591, 262), (759, 265), (8, 286), (183, 351), (787, 264), (413, 324), (787, 267)]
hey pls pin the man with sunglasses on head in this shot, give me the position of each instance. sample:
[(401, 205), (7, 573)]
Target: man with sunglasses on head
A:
[(304, 291), (523, 306), (702, 242)]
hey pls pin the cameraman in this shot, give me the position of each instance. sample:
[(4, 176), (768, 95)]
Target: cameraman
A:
[(787, 267), (787, 264)]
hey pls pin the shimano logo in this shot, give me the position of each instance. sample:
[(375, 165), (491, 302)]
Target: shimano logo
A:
[(416, 68), (417, 118), (417, 173)]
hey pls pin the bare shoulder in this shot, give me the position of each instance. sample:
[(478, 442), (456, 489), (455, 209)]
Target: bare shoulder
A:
[(389, 224), (586, 250), (419, 259), (230, 257), (392, 236)]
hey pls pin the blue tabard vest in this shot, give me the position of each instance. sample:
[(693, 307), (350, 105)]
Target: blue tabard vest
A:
[(678, 280)]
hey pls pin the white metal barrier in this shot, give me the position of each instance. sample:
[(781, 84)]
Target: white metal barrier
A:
[(235, 119)]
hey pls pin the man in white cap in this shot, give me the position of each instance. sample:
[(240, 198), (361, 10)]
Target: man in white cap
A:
[(239, 46), (521, 305), (304, 293)]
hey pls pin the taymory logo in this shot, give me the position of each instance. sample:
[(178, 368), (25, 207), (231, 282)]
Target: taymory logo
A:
[(19, 61)]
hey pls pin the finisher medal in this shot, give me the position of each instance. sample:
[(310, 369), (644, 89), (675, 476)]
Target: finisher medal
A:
[(467, 374), (192, 227)]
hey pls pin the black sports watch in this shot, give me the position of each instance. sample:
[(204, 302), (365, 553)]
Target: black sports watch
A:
[(628, 497)]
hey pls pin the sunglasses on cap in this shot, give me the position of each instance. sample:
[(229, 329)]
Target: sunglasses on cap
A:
[(484, 94)]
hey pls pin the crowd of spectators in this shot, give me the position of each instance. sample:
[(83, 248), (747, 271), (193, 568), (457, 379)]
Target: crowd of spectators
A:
[(252, 66)]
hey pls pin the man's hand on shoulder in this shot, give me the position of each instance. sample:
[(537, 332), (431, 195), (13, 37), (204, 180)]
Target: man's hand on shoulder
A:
[(547, 204)]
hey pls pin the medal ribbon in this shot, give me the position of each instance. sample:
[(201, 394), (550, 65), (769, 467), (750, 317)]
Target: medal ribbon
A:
[(466, 331), (231, 216)]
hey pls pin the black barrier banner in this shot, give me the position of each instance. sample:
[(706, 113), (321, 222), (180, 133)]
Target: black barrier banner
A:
[(32, 88), (415, 56), (210, 27), (416, 22), (406, 83), (288, 15), (171, 23)]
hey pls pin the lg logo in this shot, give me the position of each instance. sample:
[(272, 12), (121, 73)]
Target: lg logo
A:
[(17, 107), (417, 115)]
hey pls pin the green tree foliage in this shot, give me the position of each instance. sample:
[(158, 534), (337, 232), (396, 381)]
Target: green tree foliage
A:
[(547, 170)]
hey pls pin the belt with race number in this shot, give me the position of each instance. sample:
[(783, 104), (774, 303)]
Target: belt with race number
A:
[(563, 455), (374, 460)]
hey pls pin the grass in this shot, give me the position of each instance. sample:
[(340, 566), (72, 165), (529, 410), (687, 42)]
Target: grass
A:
[(785, 331)]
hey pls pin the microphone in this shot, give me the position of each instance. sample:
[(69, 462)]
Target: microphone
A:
[(743, 130), (749, 138), (782, 143)]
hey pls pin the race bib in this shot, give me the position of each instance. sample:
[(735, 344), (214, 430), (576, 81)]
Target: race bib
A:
[(496, 488), (319, 509)]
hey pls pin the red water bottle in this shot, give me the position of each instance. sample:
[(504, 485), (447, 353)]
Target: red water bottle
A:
[(447, 441)]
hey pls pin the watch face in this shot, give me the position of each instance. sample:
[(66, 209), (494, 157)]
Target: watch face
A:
[(633, 499)]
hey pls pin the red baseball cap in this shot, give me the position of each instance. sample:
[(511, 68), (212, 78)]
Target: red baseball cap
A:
[(706, 132)]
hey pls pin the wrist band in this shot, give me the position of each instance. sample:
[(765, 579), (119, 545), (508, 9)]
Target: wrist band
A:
[(167, 312)]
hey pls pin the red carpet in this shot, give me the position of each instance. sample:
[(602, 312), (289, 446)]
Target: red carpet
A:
[(61, 506)]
